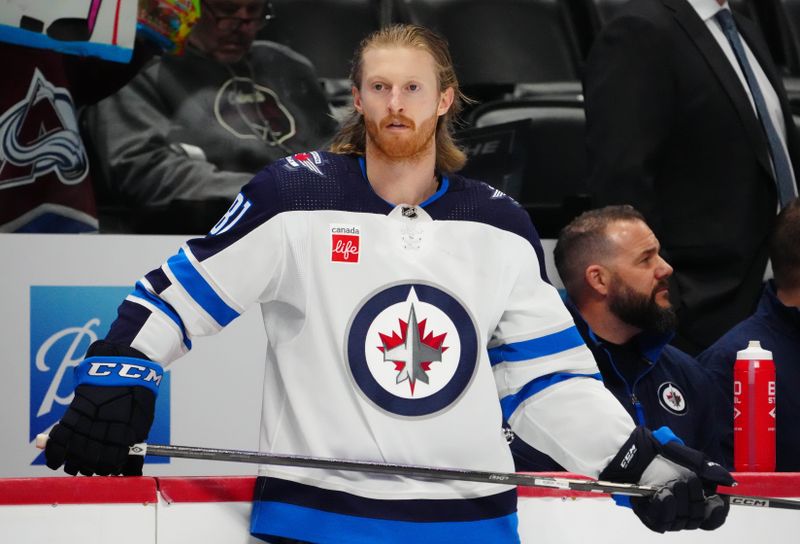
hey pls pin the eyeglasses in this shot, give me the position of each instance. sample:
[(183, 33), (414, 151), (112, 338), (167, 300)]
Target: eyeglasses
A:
[(230, 24)]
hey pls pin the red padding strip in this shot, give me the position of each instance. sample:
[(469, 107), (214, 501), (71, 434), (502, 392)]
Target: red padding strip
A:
[(119, 490), (207, 489), (78, 490), (765, 484), (759, 484)]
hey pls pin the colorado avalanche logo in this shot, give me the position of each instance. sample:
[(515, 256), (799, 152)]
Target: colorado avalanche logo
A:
[(672, 398), (251, 111), (40, 136), (412, 349)]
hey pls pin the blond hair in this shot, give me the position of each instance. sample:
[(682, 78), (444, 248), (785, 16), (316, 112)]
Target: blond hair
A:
[(351, 138)]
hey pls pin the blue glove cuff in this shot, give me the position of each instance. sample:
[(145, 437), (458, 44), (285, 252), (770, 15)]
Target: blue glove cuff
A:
[(622, 500), (664, 435), (110, 371)]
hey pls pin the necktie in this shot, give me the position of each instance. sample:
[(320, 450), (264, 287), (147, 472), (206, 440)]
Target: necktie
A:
[(780, 161)]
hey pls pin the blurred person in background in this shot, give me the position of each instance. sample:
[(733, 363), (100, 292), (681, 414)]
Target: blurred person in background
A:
[(188, 132), (776, 324), (46, 180)]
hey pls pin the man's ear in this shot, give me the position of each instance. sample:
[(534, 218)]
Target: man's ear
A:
[(357, 99), (445, 101), (597, 278)]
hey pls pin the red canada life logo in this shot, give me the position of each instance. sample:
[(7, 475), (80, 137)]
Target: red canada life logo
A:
[(345, 243)]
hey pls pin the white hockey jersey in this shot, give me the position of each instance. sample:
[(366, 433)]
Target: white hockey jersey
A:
[(400, 334)]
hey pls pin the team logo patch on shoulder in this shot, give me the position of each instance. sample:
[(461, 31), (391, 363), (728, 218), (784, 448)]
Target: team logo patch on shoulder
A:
[(345, 243), (412, 349), (672, 398), (310, 161)]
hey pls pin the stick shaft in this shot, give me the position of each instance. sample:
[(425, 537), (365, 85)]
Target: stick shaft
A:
[(529, 480), (525, 480)]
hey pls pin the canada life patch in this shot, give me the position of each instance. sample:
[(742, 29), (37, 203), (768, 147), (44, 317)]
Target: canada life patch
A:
[(345, 243), (412, 349)]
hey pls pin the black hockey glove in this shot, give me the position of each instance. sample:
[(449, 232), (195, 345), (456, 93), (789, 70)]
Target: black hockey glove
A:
[(686, 480), (112, 409)]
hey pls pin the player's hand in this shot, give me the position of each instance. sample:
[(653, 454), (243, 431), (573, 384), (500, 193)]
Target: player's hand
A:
[(112, 409), (686, 480), (99, 426)]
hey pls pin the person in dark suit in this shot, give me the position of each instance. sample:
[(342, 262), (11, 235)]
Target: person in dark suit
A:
[(673, 128)]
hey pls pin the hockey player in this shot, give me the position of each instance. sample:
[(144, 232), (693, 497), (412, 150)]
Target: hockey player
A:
[(401, 301)]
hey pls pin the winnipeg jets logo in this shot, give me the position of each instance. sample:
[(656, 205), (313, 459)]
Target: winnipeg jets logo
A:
[(672, 398), (404, 347), (309, 161), (412, 349)]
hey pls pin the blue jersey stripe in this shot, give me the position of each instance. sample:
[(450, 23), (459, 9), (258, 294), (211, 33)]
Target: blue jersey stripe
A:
[(141, 292), (510, 403), (537, 347), (199, 289), (307, 524), (443, 187)]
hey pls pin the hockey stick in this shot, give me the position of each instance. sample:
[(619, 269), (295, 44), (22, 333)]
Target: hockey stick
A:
[(508, 478)]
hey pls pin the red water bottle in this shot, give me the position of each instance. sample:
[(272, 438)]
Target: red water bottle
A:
[(754, 410)]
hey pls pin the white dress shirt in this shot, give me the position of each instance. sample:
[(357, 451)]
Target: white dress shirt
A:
[(706, 9)]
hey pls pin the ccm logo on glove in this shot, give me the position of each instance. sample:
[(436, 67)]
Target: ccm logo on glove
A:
[(119, 371), (629, 456), (124, 371)]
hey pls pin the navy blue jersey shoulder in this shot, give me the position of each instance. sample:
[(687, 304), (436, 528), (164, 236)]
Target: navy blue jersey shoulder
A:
[(472, 200), (327, 181), (301, 182)]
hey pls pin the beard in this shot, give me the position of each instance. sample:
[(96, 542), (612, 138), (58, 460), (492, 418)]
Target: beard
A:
[(640, 310), (402, 146)]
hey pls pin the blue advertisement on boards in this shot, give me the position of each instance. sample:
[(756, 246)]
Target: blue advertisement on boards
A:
[(64, 321)]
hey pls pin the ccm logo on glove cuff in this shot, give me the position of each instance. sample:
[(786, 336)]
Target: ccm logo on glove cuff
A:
[(119, 371)]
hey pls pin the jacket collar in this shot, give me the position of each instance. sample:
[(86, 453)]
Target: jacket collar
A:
[(771, 306), (650, 345)]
